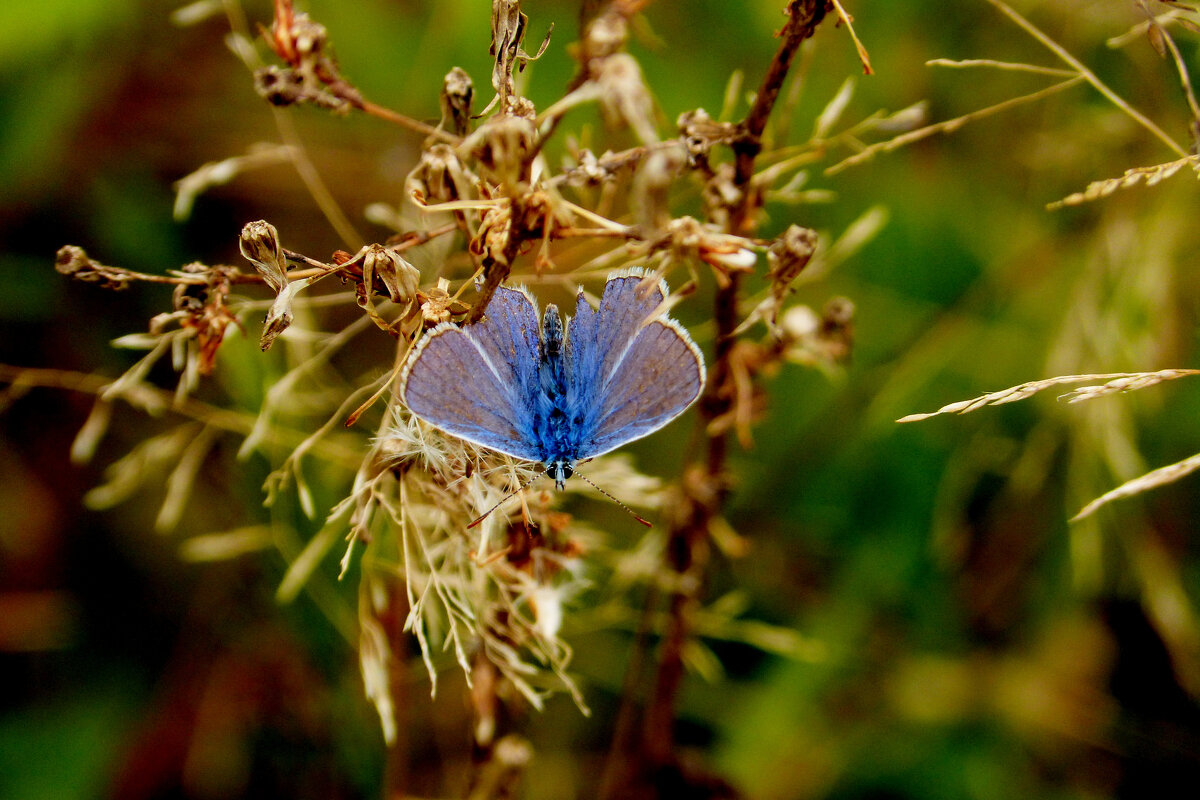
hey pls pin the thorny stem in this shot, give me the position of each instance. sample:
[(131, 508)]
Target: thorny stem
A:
[(704, 487)]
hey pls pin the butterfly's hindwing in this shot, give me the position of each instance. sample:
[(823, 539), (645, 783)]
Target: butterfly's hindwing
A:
[(630, 373), (660, 375)]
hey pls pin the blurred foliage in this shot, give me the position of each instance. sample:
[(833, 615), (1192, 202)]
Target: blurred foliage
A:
[(973, 643)]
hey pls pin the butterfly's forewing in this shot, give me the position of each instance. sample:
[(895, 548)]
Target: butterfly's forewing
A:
[(476, 382), (632, 373), (598, 338)]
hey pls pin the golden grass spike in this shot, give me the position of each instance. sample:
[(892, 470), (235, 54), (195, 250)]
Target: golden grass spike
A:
[(1113, 383), (1151, 480), (1132, 177)]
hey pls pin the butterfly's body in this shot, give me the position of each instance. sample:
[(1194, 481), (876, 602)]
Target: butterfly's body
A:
[(557, 394)]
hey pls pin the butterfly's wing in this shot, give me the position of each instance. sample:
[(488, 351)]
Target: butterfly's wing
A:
[(477, 382), (632, 371)]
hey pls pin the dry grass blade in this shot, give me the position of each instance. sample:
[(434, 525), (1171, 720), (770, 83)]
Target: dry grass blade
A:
[(1132, 177), (1009, 66), (1151, 480), (949, 126), (1113, 383)]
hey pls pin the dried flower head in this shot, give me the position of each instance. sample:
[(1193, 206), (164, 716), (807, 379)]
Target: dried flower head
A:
[(439, 177), (700, 133), (74, 262), (259, 244), (503, 147)]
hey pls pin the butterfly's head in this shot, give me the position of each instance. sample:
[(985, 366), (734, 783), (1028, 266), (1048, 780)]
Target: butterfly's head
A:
[(559, 470)]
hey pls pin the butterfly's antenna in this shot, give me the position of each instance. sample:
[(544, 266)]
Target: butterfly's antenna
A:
[(520, 488), (615, 500)]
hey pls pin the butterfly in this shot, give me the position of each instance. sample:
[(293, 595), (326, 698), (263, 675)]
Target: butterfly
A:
[(552, 393)]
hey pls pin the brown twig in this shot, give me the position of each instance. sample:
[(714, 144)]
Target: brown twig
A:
[(705, 486)]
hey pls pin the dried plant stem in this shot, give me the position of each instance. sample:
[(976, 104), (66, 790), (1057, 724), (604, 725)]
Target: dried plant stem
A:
[(376, 110), (704, 484), (1008, 66)]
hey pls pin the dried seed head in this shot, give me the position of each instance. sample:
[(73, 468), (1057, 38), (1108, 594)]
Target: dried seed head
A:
[(259, 243), (495, 230), (280, 317), (457, 93), (589, 168), (71, 260), (439, 177), (521, 107), (700, 132), (689, 238), (826, 339), (75, 262), (309, 37), (401, 278), (788, 256), (281, 86), (605, 35), (503, 146)]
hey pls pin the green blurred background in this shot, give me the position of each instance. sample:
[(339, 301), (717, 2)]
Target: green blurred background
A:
[(976, 645)]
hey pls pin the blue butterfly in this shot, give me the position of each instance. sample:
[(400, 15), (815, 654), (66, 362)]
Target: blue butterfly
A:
[(552, 394)]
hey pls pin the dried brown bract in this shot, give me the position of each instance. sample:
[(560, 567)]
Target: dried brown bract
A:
[(457, 93)]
